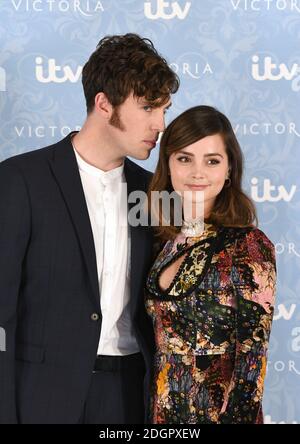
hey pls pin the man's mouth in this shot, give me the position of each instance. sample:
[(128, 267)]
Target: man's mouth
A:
[(151, 143)]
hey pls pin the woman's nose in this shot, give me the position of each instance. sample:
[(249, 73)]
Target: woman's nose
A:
[(198, 171)]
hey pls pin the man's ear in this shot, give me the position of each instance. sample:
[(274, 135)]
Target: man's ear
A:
[(103, 106)]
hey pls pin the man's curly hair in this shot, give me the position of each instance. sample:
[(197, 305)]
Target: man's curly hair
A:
[(122, 64)]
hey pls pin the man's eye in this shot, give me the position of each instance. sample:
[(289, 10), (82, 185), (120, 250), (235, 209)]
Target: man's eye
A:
[(147, 108)]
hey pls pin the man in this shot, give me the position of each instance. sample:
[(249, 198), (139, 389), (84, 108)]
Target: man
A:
[(78, 341)]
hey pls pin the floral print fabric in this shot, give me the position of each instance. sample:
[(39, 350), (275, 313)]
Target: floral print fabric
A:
[(212, 327)]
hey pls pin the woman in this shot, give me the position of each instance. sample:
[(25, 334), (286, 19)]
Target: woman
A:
[(210, 291)]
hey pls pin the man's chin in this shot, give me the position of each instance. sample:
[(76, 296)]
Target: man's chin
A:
[(147, 155), (142, 155)]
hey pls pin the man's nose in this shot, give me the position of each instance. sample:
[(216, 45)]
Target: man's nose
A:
[(158, 123)]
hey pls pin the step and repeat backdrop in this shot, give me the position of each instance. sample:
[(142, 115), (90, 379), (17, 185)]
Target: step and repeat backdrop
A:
[(241, 56)]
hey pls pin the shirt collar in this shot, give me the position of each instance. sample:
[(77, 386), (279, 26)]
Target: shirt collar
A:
[(105, 176)]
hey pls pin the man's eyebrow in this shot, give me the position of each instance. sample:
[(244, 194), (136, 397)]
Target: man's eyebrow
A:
[(143, 101), (155, 105)]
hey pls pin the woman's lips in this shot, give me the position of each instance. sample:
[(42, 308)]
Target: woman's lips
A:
[(197, 187)]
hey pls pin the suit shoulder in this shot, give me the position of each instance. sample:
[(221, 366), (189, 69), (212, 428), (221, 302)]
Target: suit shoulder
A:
[(134, 167), (30, 157)]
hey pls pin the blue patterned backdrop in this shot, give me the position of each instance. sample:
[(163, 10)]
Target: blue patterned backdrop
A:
[(241, 56)]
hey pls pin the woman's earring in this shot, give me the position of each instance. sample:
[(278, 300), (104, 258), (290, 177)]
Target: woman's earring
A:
[(227, 182)]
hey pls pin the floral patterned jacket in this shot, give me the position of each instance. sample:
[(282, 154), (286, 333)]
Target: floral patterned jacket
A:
[(212, 327)]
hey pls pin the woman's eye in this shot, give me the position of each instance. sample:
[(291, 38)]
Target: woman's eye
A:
[(183, 159), (147, 108), (213, 162)]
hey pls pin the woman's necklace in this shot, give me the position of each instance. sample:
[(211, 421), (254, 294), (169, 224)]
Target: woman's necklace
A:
[(192, 229)]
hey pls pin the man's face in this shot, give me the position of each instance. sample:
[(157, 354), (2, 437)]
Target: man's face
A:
[(135, 126)]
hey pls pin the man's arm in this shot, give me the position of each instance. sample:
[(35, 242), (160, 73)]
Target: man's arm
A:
[(14, 237)]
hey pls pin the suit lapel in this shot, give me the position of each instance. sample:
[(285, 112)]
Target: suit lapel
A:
[(140, 238), (65, 170)]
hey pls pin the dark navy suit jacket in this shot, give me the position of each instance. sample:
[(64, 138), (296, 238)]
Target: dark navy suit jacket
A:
[(49, 292)]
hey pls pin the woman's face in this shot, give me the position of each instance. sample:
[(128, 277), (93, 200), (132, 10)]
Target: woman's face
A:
[(201, 167)]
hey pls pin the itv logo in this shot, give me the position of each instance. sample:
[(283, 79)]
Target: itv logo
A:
[(271, 193), (55, 73), (265, 69), (175, 10), (2, 79), (285, 313)]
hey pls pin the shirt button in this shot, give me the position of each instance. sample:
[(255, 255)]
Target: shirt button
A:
[(95, 317)]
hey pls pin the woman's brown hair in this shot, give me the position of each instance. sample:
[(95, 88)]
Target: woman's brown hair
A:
[(232, 206)]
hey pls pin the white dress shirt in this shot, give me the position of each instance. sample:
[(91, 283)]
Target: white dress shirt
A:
[(103, 193)]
